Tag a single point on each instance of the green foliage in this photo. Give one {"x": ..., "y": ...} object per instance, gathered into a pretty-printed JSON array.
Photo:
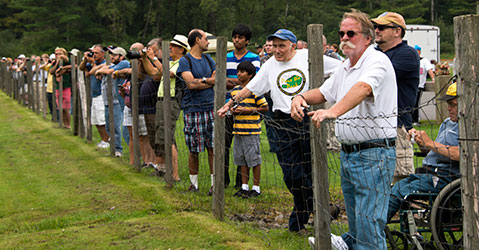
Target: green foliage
[{"x": 39, "y": 26}]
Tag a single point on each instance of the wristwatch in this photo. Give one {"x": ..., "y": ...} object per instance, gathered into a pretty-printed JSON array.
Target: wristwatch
[{"x": 203, "y": 80}]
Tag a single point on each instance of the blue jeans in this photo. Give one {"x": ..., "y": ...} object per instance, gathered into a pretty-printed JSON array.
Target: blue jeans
[
  {"x": 118, "y": 120},
  {"x": 413, "y": 183},
  {"x": 271, "y": 132},
  {"x": 366, "y": 177},
  {"x": 126, "y": 133},
  {"x": 294, "y": 157}
]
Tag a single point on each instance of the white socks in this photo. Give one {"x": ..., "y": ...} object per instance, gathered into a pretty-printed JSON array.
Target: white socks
[
  {"x": 245, "y": 187},
  {"x": 194, "y": 180},
  {"x": 256, "y": 188}
]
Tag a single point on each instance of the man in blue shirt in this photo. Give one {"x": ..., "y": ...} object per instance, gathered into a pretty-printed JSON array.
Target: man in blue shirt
[
  {"x": 441, "y": 165},
  {"x": 91, "y": 62},
  {"x": 118, "y": 62},
  {"x": 198, "y": 72},
  {"x": 241, "y": 36},
  {"x": 390, "y": 29}
]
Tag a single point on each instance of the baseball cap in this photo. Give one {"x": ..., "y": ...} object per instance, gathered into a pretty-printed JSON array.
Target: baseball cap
[
  {"x": 74, "y": 52},
  {"x": 21, "y": 56},
  {"x": 390, "y": 17},
  {"x": 417, "y": 47},
  {"x": 181, "y": 41},
  {"x": 52, "y": 56},
  {"x": 284, "y": 34},
  {"x": 118, "y": 51},
  {"x": 451, "y": 93}
]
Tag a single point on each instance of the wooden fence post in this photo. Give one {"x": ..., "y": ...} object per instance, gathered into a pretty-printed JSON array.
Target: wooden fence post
[
  {"x": 111, "y": 117},
  {"x": 74, "y": 95},
  {"x": 80, "y": 76},
  {"x": 167, "y": 115},
  {"x": 60, "y": 99},
  {"x": 88, "y": 109},
  {"x": 30, "y": 85},
  {"x": 467, "y": 67},
  {"x": 218, "y": 202},
  {"x": 319, "y": 157},
  {"x": 36, "y": 88},
  {"x": 44, "y": 93},
  {"x": 134, "y": 99},
  {"x": 441, "y": 84}
]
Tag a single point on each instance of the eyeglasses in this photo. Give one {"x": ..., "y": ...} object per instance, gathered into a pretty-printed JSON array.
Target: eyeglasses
[
  {"x": 350, "y": 33},
  {"x": 383, "y": 27}
]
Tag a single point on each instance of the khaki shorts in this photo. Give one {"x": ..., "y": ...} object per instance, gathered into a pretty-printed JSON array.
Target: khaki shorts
[{"x": 404, "y": 155}]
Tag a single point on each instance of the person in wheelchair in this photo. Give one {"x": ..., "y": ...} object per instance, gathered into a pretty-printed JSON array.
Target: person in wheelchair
[{"x": 440, "y": 166}]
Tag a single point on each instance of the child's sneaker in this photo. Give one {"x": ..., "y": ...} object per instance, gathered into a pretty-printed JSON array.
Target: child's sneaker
[
  {"x": 253, "y": 194},
  {"x": 242, "y": 193}
]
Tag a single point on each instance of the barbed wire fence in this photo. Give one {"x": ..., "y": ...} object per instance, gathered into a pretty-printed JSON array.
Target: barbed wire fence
[{"x": 271, "y": 210}]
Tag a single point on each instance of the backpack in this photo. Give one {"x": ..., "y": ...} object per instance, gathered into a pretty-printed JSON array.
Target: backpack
[{"x": 180, "y": 84}]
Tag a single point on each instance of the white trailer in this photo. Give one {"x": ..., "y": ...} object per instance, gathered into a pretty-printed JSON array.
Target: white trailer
[{"x": 427, "y": 37}]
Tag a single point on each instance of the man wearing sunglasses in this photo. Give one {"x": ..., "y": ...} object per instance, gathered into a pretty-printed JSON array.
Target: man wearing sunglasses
[
  {"x": 364, "y": 97},
  {"x": 390, "y": 29}
]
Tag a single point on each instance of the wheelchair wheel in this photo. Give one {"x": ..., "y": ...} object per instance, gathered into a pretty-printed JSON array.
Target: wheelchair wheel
[
  {"x": 396, "y": 240},
  {"x": 446, "y": 217}
]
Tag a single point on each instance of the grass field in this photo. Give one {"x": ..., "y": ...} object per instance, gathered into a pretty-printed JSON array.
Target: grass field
[{"x": 57, "y": 191}]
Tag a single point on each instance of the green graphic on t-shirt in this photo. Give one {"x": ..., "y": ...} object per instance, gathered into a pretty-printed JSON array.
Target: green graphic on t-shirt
[{"x": 292, "y": 82}]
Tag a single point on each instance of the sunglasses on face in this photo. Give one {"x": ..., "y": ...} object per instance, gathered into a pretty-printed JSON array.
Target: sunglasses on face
[
  {"x": 383, "y": 27},
  {"x": 350, "y": 33}
]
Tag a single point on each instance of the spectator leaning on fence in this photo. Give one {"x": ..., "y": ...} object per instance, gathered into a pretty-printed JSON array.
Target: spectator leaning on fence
[
  {"x": 390, "y": 29},
  {"x": 241, "y": 36},
  {"x": 287, "y": 75},
  {"x": 198, "y": 72},
  {"x": 50, "y": 60},
  {"x": 151, "y": 63},
  {"x": 247, "y": 128},
  {"x": 363, "y": 90},
  {"x": 178, "y": 48},
  {"x": 92, "y": 61},
  {"x": 440, "y": 166},
  {"x": 62, "y": 73},
  {"x": 118, "y": 63},
  {"x": 146, "y": 150}
]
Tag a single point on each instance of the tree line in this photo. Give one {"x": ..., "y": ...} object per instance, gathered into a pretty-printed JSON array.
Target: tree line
[{"x": 33, "y": 27}]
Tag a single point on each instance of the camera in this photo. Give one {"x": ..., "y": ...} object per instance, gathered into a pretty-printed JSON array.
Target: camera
[
  {"x": 135, "y": 54},
  {"x": 90, "y": 54}
]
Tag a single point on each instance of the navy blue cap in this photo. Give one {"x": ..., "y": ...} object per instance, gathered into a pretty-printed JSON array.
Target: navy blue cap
[{"x": 283, "y": 34}]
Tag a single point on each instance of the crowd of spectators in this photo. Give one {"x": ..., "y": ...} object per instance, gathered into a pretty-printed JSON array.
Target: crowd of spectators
[{"x": 273, "y": 85}]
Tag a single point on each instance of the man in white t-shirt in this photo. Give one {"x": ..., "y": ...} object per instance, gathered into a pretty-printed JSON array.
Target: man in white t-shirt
[
  {"x": 364, "y": 93},
  {"x": 286, "y": 76},
  {"x": 425, "y": 68}
]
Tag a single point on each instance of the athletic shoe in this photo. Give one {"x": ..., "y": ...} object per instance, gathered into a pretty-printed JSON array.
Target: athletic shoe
[
  {"x": 337, "y": 243},
  {"x": 118, "y": 154},
  {"x": 103, "y": 144},
  {"x": 192, "y": 188},
  {"x": 242, "y": 193},
  {"x": 253, "y": 193}
]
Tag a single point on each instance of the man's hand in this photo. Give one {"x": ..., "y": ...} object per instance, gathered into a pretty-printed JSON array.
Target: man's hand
[
  {"x": 320, "y": 115},
  {"x": 223, "y": 110},
  {"x": 297, "y": 106},
  {"x": 421, "y": 138}
]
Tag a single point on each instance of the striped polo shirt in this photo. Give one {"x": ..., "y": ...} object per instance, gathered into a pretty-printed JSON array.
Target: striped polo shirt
[
  {"x": 232, "y": 66},
  {"x": 249, "y": 124}
]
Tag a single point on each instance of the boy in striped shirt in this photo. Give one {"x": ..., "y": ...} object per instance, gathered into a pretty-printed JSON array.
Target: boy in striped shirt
[{"x": 247, "y": 129}]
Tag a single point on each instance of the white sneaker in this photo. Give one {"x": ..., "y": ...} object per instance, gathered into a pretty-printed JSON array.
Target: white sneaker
[
  {"x": 311, "y": 242},
  {"x": 103, "y": 144},
  {"x": 118, "y": 154},
  {"x": 337, "y": 243}
]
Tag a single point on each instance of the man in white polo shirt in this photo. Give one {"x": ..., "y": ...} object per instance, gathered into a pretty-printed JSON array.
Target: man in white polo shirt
[
  {"x": 286, "y": 76},
  {"x": 363, "y": 90}
]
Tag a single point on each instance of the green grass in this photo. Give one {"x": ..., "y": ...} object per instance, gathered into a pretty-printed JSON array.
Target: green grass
[{"x": 58, "y": 192}]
